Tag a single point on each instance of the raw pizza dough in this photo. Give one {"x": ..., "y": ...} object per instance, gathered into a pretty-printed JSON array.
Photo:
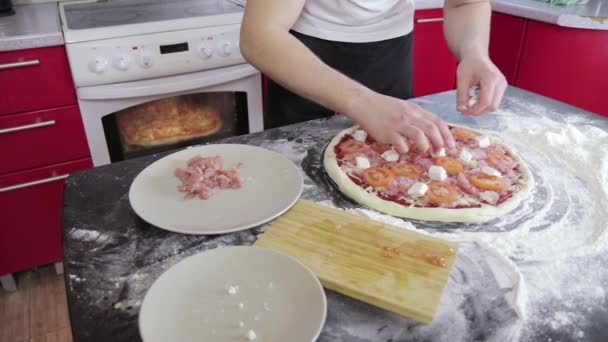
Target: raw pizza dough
[{"x": 369, "y": 198}]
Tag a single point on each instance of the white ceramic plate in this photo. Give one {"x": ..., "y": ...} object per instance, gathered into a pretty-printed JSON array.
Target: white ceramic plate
[
  {"x": 281, "y": 299},
  {"x": 272, "y": 185}
]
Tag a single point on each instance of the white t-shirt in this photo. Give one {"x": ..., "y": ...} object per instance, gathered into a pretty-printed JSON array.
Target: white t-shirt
[{"x": 356, "y": 21}]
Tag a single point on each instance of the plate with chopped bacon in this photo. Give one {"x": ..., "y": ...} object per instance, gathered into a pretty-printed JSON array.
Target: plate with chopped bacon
[
  {"x": 480, "y": 179},
  {"x": 214, "y": 189}
]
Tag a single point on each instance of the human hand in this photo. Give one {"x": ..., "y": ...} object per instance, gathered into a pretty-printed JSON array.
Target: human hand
[
  {"x": 479, "y": 71},
  {"x": 393, "y": 121}
]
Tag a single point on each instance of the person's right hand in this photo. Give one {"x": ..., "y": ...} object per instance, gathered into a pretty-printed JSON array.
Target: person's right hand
[{"x": 393, "y": 121}]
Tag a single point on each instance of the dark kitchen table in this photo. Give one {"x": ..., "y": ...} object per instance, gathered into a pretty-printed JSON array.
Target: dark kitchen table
[{"x": 112, "y": 257}]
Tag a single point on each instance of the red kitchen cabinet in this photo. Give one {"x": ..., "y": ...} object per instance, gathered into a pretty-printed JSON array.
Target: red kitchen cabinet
[
  {"x": 35, "y": 79},
  {"x": 31, "y": 202},
  {"x": 41, "y": 138},
  {"x": 567, "y": 64},
  {"x": 434, "y": 64},
  {"x": 506, "y": 42}
]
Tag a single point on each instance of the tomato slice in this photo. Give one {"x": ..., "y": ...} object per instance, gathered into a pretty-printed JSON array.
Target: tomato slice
[
  {"x": 442, "y": 193},
  {"x": 407, "y": 170},
  {"x": 501, "y": 161},
  {"x": 452, "y": 166},
  {"x": 380, "y": 147},
  {"x": 487, "y": 182},
  {"x": 378, "y": 177},
  {"x": 463, "y": 134},
  {"x": 353, "y": 146}
]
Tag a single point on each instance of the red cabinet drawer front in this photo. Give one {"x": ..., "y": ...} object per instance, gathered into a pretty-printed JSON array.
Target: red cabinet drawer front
[
  {"x": 567, "y": 64},
  {"x": 41, "y": 138},
  {"x": 30, "y": 233},
  {"x": 434, "y": 64},
  {"x": 43, "y": 85},
  {"x": 506, "y": 41}
]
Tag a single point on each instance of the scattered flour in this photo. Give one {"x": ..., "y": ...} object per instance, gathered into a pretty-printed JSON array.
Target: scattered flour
[
  {"x": 551, "y": 237},
  {"x": 84, "y": 235}
]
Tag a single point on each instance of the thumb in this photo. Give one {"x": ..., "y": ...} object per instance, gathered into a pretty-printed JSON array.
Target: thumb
[{"x": 462, "y": 93}]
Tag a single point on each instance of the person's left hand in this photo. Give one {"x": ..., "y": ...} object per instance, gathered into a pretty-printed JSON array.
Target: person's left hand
[{"x": 481, "y": 72}]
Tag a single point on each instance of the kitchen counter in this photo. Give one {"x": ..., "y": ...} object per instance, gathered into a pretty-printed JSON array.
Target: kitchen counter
[
  {"x": 112, "y": 257},
  {"x": 593, "y": 15},
  {"x": 32, "y": 26}
]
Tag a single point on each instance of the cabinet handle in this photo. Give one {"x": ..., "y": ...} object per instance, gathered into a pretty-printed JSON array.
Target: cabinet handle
[
  {"x": 15, "y": 65},
  {"x": 30, "y": 184},
  {"x": 429, "y": 20},
  {"x": 26, "y": 127}
]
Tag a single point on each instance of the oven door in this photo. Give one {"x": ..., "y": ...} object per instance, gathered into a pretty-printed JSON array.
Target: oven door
[{"x": 132, "y": 119}]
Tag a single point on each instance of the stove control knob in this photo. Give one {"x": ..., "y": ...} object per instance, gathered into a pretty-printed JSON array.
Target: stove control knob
[
  {"x": 205, "y": 50},
  {"x": 225, "y": 49},
  {"x": 145, "y": 60},
  {"x": 98, "y": 65},
  {"x": 122, "y": 63}
]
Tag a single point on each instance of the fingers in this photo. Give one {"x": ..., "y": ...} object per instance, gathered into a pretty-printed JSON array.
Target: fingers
[
  {"x": 462, "y": 94},
  {"x": 400, "y": 144},
  {"x": 448, "y": 139},
  {"x": 490, "y": 94},
  {"x": 485, "y": 96},
  {"x": 416, "y": 136}
]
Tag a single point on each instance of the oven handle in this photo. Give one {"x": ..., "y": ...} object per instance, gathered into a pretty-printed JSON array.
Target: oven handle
[{"x": 166, "y": 85}]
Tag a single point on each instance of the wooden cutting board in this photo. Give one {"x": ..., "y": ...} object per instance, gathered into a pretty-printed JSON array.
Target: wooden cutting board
[{"x": 398, "y": 270}]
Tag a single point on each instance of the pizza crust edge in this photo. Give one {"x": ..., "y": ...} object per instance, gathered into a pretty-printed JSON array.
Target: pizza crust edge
[{"x": 468, "y": 215}]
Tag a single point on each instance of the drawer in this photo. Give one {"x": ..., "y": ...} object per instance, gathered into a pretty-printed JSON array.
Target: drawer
[
  {"x": 41, "y": 138},
  {"x": 35, "y": 79},
  {"x": 30, "y": 218}
]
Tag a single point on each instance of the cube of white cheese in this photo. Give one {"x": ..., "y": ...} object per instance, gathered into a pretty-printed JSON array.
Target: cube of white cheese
[
  {"x": 466, "y": 156},
  {"x": 390, "y": 155},
  {"x": 472, "y": 101},
  {"x": 233, "y": 289},
  {"x": 483, "y": 141},
  {"x": 418, "y": 190},
  {"x": 360, "y": 135},
  {"x": 490, "y": 196},
  {"x": 440, "y": 153},
  {"x": 437, "y": 173},
  {"x": 362, "y": 163},
  {"x": 490, "y": 171},
  {"x": 251, "y": 335}
]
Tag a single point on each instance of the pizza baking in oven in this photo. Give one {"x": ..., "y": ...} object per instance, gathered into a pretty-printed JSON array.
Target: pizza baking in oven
[
  {"x": 479, "y": 180},
  {"x": 167, "y": 121}
]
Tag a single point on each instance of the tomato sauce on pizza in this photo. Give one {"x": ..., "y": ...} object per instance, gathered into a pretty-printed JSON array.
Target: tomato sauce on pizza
[{"x": 478, "y": 171}]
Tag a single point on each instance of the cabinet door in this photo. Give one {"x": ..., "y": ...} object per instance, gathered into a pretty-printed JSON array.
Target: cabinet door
[
  {"x": 31, "y": 202},
  {"x": 35, "y": 79},
  {"x": 506, "y": 42},
  {"x": 434, "y": 64},
  {"x": 41, "y": 138},
  {"x": 567, "y": 64}
]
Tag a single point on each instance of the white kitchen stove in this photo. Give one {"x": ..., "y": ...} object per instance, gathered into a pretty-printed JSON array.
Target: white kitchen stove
[
  {"x": 110, "y": 41},
  {"x": 158, "y": 57}
]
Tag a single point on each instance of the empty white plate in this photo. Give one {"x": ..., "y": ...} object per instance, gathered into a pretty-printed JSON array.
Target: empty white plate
[
  {"x": 226, "y": 293},
  {"x": 272, "y": 185}
]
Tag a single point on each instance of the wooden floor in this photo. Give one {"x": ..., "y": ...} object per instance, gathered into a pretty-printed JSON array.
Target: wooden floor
[{"x": 37, "y": 311}]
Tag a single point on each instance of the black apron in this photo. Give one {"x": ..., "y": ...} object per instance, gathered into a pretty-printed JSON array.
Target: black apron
[{"x": 383, "y": 66}]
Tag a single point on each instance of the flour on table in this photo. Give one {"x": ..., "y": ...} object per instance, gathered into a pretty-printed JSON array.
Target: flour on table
[
  {"x": 84, "y": 234},
  {"x": 545, "y": 241}
]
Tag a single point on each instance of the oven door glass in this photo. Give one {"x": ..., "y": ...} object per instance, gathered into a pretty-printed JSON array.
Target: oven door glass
[{"x": 175, "y": 122}]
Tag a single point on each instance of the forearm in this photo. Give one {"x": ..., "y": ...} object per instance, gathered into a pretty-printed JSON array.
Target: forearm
[
  {"x": 467, "y": 27},
  {"x": 287, "y": 61}
]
